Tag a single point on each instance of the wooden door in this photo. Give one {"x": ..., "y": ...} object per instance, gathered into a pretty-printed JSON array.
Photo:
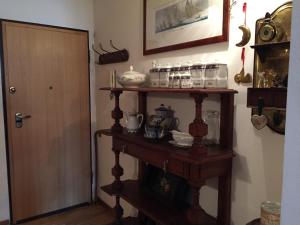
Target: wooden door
[{"x": 49, "y": 156}]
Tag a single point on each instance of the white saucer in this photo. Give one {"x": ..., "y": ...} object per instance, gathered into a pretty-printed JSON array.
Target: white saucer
[{"x": 180, "y": 145}]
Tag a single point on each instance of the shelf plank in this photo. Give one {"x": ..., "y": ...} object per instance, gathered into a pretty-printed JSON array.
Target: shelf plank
[
  {"x": 128, "y": 221},
  {"x": 266, "y": 50},
  {"x": 175, "y": 90},
  {"x": 284, "y": 44},
  {"x": 161, "y": 213},
  {"x": 106, "y": 132},
  {"x": 273, "y": 97}
]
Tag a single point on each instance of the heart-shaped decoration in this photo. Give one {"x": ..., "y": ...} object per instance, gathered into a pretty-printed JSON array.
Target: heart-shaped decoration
[{"x": 259, "y": 122}]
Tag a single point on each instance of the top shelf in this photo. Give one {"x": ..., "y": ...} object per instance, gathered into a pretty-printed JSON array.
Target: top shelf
[{"x": 175, "y": 90}]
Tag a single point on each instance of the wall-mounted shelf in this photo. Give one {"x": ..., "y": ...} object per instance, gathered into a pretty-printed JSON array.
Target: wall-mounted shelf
[
  {"x": 271, "y": 68},
  {"x": 273, "y": 97}
]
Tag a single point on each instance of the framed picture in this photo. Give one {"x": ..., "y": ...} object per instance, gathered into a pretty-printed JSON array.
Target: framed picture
[{"x": 178, "y": 24}]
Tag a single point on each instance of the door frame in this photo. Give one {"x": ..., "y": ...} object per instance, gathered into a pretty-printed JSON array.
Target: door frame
[{"x": 3, "y": 72}]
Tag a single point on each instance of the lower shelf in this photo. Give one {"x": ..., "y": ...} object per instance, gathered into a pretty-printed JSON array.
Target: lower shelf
[
  {"x": 155, "y": 210},
  {"x": 129, "y": 221}
]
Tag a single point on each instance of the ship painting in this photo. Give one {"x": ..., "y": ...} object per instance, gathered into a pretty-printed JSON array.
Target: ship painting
[{"x": 181, "y": 13}]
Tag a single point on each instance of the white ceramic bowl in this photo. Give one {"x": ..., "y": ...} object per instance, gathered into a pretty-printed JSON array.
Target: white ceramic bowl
[{"x": 132, "y": 79}]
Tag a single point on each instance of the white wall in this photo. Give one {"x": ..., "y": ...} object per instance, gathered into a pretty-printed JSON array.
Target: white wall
[
  {"x": 291, "y": 184},
  {"x": 257, "y": 172},
  {"x": 68, "y": 13}
]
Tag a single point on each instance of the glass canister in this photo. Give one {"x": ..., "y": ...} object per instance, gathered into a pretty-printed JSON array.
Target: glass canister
[
  {"x": 270, "y": 213},
  {"x": 212, "y": 119},
  {"x": 171, "y": 77},
  {"x": 222, "y": 75},
  {"x": 176, "y": 78},
  {"x": 154, "y": 77},
  {"x": 211, "y": 76},
  {"x": 216, "y": 75},
  {"x": 198, "y": 75},
  {"x": 185, "y": 77},
  {"x": 164, "y": 74}
]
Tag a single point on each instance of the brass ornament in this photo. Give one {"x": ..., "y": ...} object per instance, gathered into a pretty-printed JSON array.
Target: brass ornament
[
  {"x": 242, "y": 78},
  {"x": 246, "y": 36}
]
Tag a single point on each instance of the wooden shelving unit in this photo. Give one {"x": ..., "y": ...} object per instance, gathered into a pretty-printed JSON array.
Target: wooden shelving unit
[{"x": 195, "y": 164}]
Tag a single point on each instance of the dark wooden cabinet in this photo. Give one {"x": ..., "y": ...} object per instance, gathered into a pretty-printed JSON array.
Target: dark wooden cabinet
[{"x": 195, "y": 165}]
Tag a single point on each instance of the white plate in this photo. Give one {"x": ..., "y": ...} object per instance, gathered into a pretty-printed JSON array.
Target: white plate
[{"x": 180, "y": 145}]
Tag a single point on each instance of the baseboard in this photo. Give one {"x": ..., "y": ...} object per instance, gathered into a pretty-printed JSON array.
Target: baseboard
[{"x": 4, "y": 222}]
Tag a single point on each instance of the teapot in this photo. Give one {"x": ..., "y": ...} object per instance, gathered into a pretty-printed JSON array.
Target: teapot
[
  {"x": 165, "y": 117},
  {"x": 164, "y": 112},
  {"x": 154, "y": 132},
  {"x": 134, "y": 121}
]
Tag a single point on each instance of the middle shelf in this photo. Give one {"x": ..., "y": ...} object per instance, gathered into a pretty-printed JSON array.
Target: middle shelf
[
  {"x": 126, "y": 140},
  {"x": 164, "y": 214}
]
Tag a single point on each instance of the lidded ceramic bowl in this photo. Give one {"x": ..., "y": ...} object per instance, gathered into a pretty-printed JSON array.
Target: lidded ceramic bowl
[{"x": 132, "y": 79}]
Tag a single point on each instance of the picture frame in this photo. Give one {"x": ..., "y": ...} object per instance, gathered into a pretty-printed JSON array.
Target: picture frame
[{"x": 178, "y": 24}]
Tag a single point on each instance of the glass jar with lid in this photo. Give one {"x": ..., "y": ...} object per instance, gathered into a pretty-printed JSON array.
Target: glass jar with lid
[
  {"x": 176, "y": 77},
  {"x": 154, "y": 77},
  {"x": 270, "y": 213},
  {"x": 164, "y": 74},
  {"x": 198, "y": 75},
  {"x": 211, "y": 72},
  {"x": 212, "y": 119},
  {"x": 185, "y": 76},
  {"x": 222, "y": 76},
  {"x": 171, "y": 77}
]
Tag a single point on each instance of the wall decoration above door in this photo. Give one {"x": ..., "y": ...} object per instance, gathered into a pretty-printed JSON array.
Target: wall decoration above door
[{"x": 178, "y": 24}]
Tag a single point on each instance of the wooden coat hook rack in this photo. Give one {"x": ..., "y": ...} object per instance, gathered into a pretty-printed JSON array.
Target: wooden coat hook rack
[{"x": 119, "y": 55}]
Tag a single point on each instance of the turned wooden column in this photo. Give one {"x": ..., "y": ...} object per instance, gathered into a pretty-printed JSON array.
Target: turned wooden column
[
  {"x": 117, "y": 113},
  {"x": 198, "y": 129},
  {"x": 117, "y": 186},
  {"x": 195, "y": 214},
  {"x": 118, "y": 211},
  {"x": 117, "y": 172}
]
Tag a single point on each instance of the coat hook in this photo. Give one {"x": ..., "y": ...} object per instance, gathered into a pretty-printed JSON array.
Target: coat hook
[
  {"x": 95, "y": 50},
  {"x": 112, "y": 45},
  {"x": 100, "y": 45}
]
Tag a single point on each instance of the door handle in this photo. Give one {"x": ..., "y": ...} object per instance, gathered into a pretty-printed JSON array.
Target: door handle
[{"x": 19, "y": 117}]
